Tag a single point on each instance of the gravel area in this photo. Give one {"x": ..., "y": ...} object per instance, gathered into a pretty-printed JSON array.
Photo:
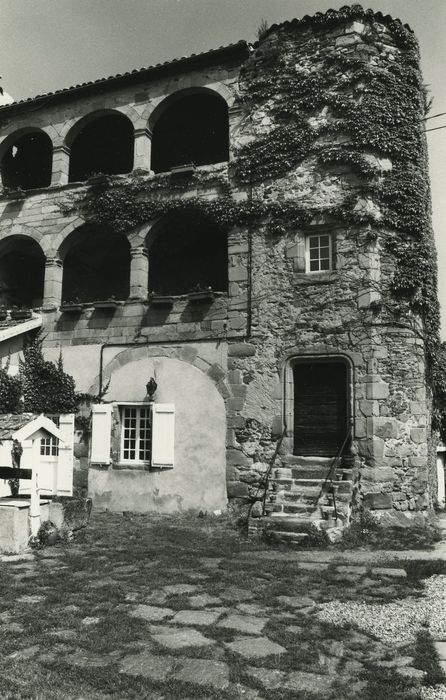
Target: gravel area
[
  {"x": 438, "y": 692},
  {"x": 397, "y": 622}
]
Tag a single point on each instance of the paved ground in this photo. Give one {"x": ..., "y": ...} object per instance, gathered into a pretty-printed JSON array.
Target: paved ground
[{"x": 163, "y": 609}]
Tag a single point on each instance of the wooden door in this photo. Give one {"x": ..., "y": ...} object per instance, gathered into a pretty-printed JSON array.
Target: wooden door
[{"x": 320, "y": 407}]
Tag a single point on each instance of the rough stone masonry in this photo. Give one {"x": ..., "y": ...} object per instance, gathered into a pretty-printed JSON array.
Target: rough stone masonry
[{"x": 317, "y": 196}]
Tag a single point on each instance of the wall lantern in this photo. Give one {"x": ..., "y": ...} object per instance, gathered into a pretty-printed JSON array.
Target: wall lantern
[{"x": 151, "y": 387}]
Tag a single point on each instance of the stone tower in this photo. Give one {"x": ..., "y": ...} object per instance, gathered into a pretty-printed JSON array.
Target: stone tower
[{"x": 250, "y": 227}]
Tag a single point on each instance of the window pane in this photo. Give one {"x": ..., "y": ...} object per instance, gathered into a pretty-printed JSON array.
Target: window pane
[
  {"x": 325, "y": 265},
  {"x": 324, "y": 240},
  {"x": 314, "y": 265}
]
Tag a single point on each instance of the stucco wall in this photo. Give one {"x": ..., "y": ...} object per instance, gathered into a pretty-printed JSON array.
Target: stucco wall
[{"x": 197, "y": 479}]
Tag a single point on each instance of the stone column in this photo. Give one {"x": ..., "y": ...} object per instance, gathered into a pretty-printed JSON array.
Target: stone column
[
  {"x": 142, "y": 149},
  {"x": 139, "y": 273},
  {"x": 52, "y": 294},
  {"x": 61, "y": 165}
]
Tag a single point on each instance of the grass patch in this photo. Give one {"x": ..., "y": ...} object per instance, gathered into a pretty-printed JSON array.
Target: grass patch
[
  {"x": 165, "y": 550},
  {"x": 366, "y": 532},
  {"x": 427, "y": 659}
]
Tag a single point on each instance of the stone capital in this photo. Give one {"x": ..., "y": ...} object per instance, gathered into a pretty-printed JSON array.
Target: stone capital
[
  {"x": 139, "y": 251},
  {"x": 53, "y": 262}
]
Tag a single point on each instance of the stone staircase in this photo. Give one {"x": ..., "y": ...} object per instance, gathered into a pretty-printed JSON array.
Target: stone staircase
[{"x": 298, "y": 498}]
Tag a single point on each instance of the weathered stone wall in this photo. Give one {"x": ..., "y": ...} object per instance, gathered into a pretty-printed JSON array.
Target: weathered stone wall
[{"x": 274, "y": 311}]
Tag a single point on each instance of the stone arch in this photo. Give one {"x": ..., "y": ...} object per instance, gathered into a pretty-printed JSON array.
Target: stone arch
[
  {"x": 197, "y": 132},
  {"x": 58, "y": 240},
  {"x": 22, "y": 271},
  {"x": 26, "y": 158},
  {"x": 187, "y": 252},
  {"x": 101, "y": 141},
  {"x": 184, "y": 353},
  {"x": 96, "y": 264},
  {"x": 197, "y": 474},
  {"x": 28, "y": 232}
]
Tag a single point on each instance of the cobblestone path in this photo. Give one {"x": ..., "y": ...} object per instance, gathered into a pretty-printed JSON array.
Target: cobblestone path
[{"x": 156, "y": 608}]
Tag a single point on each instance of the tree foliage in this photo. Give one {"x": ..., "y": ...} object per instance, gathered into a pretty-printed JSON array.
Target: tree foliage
[
  {"x": 10, "y": 391},
  {"x": 47, "y": 388}
]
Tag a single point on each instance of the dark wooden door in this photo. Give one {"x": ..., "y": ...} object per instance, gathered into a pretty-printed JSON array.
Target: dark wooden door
[{"x": 320, "y": 408}]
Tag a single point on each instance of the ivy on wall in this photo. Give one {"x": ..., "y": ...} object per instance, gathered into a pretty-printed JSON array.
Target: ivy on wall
[
  {"x": 10, "y": 391},
  {"x": 47, "y": 388},
  {"x": 311, "y": 93}
]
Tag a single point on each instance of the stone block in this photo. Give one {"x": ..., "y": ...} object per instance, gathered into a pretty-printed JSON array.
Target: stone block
[
  {"x": 378, "y": 501},
  {"x": 236, "y": 403},
  {"x": 215, "y": 372},
  {"x": 377, "y": 390},
  {"x": 232, "y": 473},
  {"x": 378, "y": 474},
  {"x": 237, "y": 489},
  {"x": 241, "y": 350},
  {"x": 14, "y": 528},
  {"x": 386, "y": 427},
  {"x": 75, "y": 512},
  {"x": 237, "y": 274},
  {"x": 418, "y": 435},
  {"x": 237, "y": 458},
  {"x": 237, "y": 322},
  {"x": 368, "y": 408},
  {"x": 235, "y": 376}
]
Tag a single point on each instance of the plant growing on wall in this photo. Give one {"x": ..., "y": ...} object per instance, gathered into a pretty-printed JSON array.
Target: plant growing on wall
[
  {"x": 351, "y": 103},
  {"x": 10, "y": 391},
  {"x": 47, "y": 388}
]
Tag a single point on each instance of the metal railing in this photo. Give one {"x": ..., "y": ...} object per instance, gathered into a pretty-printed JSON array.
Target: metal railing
[{"x": 331, "y": 470}]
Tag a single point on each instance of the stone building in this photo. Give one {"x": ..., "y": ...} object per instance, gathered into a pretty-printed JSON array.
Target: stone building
[{"x": 250, "y": 228}]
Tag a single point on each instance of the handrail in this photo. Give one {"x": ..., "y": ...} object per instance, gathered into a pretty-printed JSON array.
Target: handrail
[
  {"x": 270, "y": 467},
  {"x": 331, "y": 469}
]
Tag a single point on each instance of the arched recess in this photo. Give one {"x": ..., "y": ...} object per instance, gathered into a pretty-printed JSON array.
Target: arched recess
[
  {"x": 26, "y": 159},
  {"x": 96, "y": 264},
  {"x": 22, "y": 272},
  {"x": 190, "y": 126},
  {"x": 101, "y": 142},
  {"x": 187, "y": 251},
  {"x": 197, "y": 478}
]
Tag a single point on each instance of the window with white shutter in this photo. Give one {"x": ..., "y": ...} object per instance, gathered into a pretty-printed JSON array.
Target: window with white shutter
[
  {"x": 147, "y": 435},
  {"x": 163, "y": 435},
  {"x": 101, "y": 421}
]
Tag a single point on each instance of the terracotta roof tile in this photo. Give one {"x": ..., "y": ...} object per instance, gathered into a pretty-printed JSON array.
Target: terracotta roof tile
[{"x": 240, "y": 45}]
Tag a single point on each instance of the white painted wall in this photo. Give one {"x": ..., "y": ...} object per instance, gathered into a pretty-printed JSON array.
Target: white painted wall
[{"x": 198, "y": 478}]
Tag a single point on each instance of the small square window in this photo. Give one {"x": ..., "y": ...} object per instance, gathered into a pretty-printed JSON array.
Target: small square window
[{"x": 319, "y": 253}]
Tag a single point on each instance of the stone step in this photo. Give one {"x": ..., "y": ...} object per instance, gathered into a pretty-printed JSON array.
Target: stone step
[
  {"x": 288, "y": 523},
  {"x": 304, "y": 485},
  {"x": 297, "y": 461},
  {"x": 285, "y": 537},
  {"x": 290, "y": 508}
]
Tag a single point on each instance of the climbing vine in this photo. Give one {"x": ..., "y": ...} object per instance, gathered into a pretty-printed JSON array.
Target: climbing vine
[
  {"x": 332, "y": 101},
  {"x": 47, "y": 388}
]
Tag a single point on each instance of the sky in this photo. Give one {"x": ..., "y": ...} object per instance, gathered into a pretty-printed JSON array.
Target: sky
[{"x": 50, "y": 44}]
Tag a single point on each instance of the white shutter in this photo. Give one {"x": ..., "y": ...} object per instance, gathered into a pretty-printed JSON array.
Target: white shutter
[
  {"x": 101, "y": 433},
  {"x": 65, "y": 462},
  {"x": 163, "y": 435}
]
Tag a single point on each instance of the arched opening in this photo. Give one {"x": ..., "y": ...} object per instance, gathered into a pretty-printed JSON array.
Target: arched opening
[
  {"x": 96, "y": 265},
  {"x": 321, "y": 406},
  {"x": 101, "y": 145},
  {"x": 188, "y": 252},
  {"x": 22, "y": 272},
  {"x": 27, "y": 161},
  {"x": 192, "y": 129}
]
